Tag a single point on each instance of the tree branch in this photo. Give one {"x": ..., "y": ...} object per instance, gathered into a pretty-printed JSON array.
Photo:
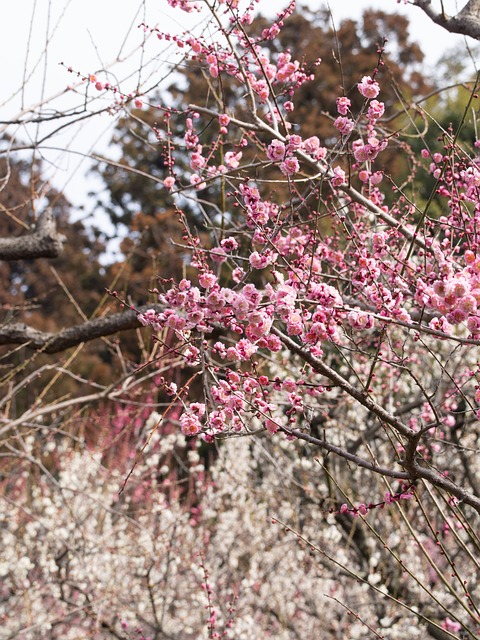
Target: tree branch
[
  {"x": 20, "y": 333},
  {"x": 465, "y": 22},
  {"x": 343, "y": 453},
  {"x": 410, "y": 463},
  {"x": 43, "y": 242}
]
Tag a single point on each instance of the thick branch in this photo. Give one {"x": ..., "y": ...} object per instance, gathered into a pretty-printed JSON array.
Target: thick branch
[
  {"x": 465, "y": 22},
  {"x": 43, "y": 242},
  {"x": 20, "y": 333}
]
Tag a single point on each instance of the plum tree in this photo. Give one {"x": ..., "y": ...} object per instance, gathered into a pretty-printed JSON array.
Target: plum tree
[{"x": 322, "y": 339}]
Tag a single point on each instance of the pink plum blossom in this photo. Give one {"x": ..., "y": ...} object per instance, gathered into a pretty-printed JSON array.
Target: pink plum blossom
[
  {"x": 276, "y": 151},
  {"x": 368, "y": 88},
  {"x": 289, "y": 166},
  {"x": 343, "y": 105}
]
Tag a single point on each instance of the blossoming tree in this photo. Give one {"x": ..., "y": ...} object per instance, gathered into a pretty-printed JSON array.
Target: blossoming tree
[
  {"x": 346, "y": 312},
  {"x": 357, "y": 283},
  {"x": 330, "y": 326}
]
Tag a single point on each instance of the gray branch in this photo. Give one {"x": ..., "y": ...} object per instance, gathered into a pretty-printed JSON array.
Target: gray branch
[
  {"x": 465, "y": 22},
  {"x": 343, "y": 453},
  {"x": 22, "y": 334},
  {"x": 43, "y": 242}
]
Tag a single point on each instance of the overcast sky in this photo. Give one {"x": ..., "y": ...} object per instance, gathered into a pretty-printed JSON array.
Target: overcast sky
[{"x": 92, "y": 34}]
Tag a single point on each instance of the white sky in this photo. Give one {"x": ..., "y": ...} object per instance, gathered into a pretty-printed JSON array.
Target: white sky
[{"x": 91, "y": 34}]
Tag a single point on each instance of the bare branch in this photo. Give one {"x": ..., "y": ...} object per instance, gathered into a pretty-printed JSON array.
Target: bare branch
[
  {"x": 43, "y": 242},
  {"x": 343, "y": 453},
  {"x": 20, "y": 333}
]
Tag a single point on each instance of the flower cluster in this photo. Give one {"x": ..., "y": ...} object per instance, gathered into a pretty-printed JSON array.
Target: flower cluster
[{"x": 455, "y": 295}]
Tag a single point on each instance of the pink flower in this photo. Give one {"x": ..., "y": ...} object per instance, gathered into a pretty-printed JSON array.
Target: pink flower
[
  {"x": 197, "y": 161},
  {"x": 287, "y": 71},
  {"x": 339, "y": 178},
  {"x": 169, "y": 182},
  {"x": 368, "y": 88},
  {"x": 468, "y": 304},
  {"x": 361, "y": 153},
  {"x": 218, "y": 254},
  {"x": 294, "y": 324},
  {"x": 229, "y": 244},
  {"x": 271, "y": 33},
  {"x": 207, "y": 280},
  {"x": 224, "y": 120},
  {"x": 191, "y": 355},
  {"x": 276, "y": 151},
  {"x": 311, "y": 145},
  {"x": 362, "y": 509},
  {"x": 271, "y": 426},
  {"x": 196, "y": 46},
  {"x": 289, "y": 166},
  {"x": 294, "y": 143},
  {"x": 360, "y": 319},
  {"x": 190, "y": 424},
  {"x": 273, "y": 343},
  {"x": 259, "y": 325},
  {"x": 215, "y": 300},
  {"x": 343, "y": 104},
  {"x": 376, "y": 110},
  {"x": 184, "y": 285},
  {"x": 197, "y": 181},
  {"x": 377, "y": 177},
  {"x": 261, "y": 89},
  {"x": 260, "y": 261},
  {"x": 370, "y": 150},
  {"x": 451, "y": 625},
  {"x": 185, "y": 5},
  {"x": 198, "y": 409},
  {"x": 232, "y": 159},
  {"x": 148, "y": 318},
  {"x": 238, "y": 274},
  {"x": 344, "y": 125},
  {"x": 289, "y": 385}
]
